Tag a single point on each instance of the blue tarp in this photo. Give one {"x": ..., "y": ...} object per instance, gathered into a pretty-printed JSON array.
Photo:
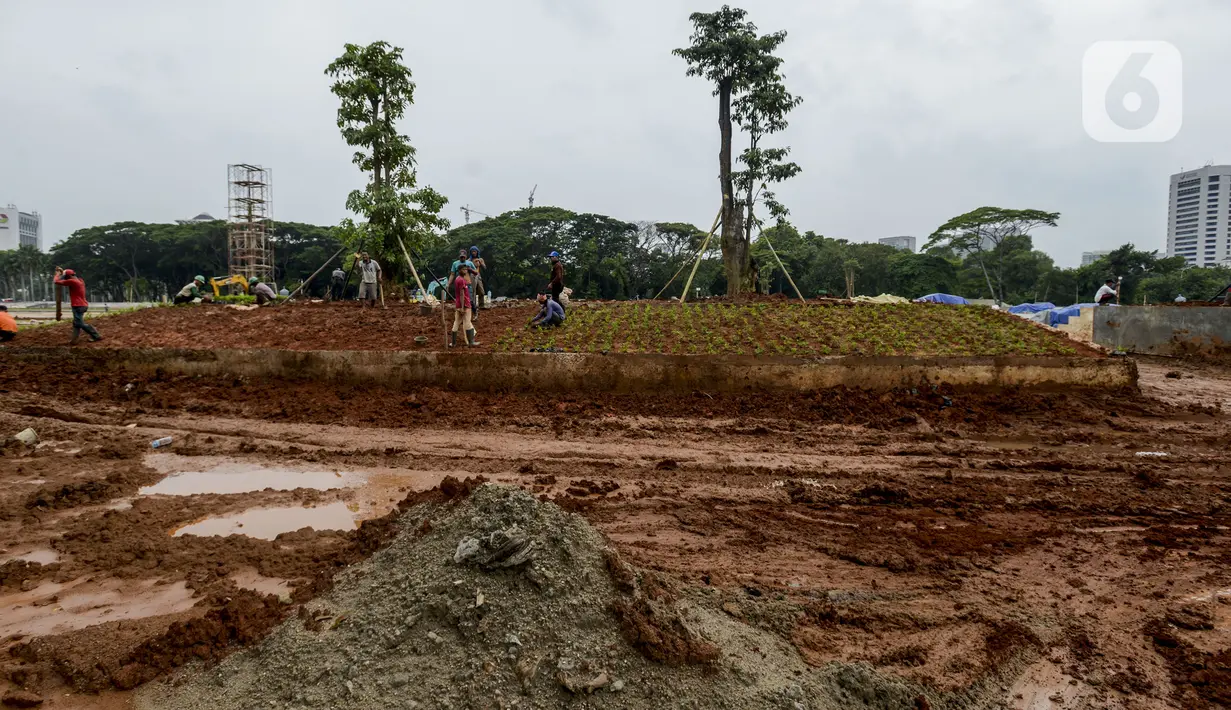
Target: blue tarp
[
  {"x": 943, "y": 298},
  {"x": 1031, "y": 308},
  {"x": 1060, "y": 316}
]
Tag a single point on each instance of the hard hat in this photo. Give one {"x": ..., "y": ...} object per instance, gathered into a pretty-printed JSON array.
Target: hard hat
[
  {"x": 199, "y": 278},
  {"x": 554, "y": 254},
  {"x": 70, "y": 272},
  {"x": 253, "y": 281}
]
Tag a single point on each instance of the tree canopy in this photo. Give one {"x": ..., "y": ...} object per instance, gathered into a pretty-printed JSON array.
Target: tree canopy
[
  {"x": 375, "y": 89},
  {"x": 980, "y": 235},
  {"x": 727, "y": 51},
  {"x": 605, "y": 257}
]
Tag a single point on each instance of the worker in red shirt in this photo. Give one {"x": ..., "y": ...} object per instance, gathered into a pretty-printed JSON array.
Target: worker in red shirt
[
  {"x": 76, "y": 294},
  {"x": 8, "y": 325}
]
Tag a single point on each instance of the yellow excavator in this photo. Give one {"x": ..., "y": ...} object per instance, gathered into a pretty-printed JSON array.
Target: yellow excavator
[{"x": 219, "y": 282}]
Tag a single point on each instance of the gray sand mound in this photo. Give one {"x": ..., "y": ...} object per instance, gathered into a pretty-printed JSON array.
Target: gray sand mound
[{"x": 501, "y": 601}]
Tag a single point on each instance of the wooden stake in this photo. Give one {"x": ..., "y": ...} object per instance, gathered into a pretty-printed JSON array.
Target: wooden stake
[
  {"x": 700, "y": 254},
  {"x": 59, "y": 302},
  {"x": 783, "y": 267},
  {"x": 304, "y": 285},
  {"x": 685, "y": 264},
  {"x": 412, "y": 266}
]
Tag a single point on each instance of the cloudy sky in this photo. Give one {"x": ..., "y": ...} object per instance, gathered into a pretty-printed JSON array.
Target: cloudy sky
[{"x": 914, "y": 110}]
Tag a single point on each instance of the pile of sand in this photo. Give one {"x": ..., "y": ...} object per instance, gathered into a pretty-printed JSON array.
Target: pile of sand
[{"x": 501, "y": 601}]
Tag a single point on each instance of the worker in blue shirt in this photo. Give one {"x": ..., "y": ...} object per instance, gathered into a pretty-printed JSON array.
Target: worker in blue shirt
[{"x": 551, "y": 315}]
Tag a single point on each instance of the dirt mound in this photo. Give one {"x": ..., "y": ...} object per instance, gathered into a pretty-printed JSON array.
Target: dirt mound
[
  {"x": 500, "y": 600},
  {"x": 298, "y": 326}
]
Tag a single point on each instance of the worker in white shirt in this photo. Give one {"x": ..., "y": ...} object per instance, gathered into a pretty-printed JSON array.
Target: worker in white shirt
[{"x": 1106, "y": 294}]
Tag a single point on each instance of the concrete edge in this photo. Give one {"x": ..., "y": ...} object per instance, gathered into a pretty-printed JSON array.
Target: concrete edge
[{"x": 618, "y": 373}]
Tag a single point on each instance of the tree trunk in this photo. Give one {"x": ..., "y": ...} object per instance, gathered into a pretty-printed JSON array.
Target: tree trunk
[
  {"x": 734, "y": 248},
  {"x": 988, "y": 278}
]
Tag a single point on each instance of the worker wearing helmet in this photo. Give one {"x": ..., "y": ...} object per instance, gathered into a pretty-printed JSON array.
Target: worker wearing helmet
[
  {"x": 556, "y": 285},
  {"x": 190, "y": 293},
  {"x": 477, "y": 288},
  {"x": 76, "y": 295},
  {"x": 264, "y": 294}
]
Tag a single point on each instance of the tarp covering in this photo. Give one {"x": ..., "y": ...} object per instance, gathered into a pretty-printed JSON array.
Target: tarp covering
[
  {"x": 1060, "y": 316},
  {"x": 883, "y": 298},
  {"x": 1031, "y": 308},
  {"x": 943, "y": 298}
]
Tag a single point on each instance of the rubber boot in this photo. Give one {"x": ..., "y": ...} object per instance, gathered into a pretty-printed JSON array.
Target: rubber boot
[
  {"x": 470, "y": 339},
  {"x": 452, "y": 338},
  {"x": 75, "y": 338}
]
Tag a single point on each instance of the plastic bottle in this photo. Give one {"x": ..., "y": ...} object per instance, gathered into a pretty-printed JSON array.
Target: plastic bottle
[{"x": 159, "y": 443}]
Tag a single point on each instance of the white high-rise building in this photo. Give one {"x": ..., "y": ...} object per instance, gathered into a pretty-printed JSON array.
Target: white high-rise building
[
  {"x": 903, "y": 243},
  {"x": 1198, "y": 215},
  {"x": 1089, "y": 257},
  {"x": 18, "y": 229}
]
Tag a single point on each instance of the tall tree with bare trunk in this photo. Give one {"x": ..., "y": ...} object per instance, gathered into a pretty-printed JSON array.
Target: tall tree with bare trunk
[{"x": 727, "y": 51}]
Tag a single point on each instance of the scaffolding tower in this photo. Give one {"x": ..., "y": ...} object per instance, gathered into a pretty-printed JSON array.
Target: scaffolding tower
[{"x": 249, "y": 224}]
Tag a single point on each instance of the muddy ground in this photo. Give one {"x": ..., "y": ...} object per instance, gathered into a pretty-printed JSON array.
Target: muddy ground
[{"x": 1068, "y": 548}]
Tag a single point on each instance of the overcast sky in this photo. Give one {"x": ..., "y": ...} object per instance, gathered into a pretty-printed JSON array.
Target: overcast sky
[{"x": 914, "y": 110}]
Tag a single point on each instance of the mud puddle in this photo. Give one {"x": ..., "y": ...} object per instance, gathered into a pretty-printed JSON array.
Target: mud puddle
[
  {"x": 188, "y": 476},
  {"x": 42, "y": 555},
  {"x": 52, "y": 608},
  {"x": 1044, "y": 686},
  {"x": 269, "y": 523}
]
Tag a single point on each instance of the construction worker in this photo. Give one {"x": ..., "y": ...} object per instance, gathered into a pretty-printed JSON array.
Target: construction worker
[
  {"x": 76, "y": 298},
  {"x": 463, "y": 259},
  {"x": 556, "y": 285},
  {"x": 550, "y": 315},
  {"x": 337, "y": 281},
  {"x": 369, "y": 279},
  {"x": 1106, "y": 293},
  {"x": 478, "y": 290},
  {"x": 461, "y": 307},
  {"x": 264, "y": 294},
  {"x": 190, "y": 293},
  {"x": 8, "y": 325}
]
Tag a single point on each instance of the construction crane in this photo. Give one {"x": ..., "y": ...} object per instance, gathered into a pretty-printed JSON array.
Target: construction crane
[
  {"x": 466, "y": 211},
  {"x": 536, "y": 189}
]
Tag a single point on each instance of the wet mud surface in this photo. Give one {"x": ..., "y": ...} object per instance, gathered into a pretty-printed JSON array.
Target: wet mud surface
[{"x": 1072, "y": 548}]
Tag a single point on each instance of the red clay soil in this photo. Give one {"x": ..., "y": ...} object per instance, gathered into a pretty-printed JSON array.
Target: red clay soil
[
  {"x": 301, "y": 326},
  {"x": 332, "y": 326},
  {"x": 952, "y": 538}
]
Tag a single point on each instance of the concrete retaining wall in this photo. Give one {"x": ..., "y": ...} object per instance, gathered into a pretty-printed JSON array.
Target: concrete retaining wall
[
  {"x": 1164, "y": 330},
  {"x": 562, "y": 372}
]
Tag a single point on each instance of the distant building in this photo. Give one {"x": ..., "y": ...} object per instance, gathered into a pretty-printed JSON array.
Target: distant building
[
  {"x": 203, "y": 217},
  {"x": 1089, "y": 257},
  {"x": 1198, "y": 213},
  {"x": 19, "y": 229},
  {"x": 903, "y": 243}
]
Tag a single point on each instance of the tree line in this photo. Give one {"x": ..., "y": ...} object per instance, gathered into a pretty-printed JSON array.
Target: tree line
[{"x": 605, "y": 258}]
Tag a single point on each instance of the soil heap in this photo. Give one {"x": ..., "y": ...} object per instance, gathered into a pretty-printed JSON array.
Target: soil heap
[{"x": 499, "y": 600}]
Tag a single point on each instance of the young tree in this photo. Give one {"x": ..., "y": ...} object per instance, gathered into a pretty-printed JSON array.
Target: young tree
[
  {"x": 761, "y": 111},
  {"x": 727, "y": 51},
  {"x": 980, "y": 234},
  {"x": 375, "y": 89}
]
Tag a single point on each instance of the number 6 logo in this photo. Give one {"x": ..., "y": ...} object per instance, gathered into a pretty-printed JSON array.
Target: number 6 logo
[{"x": 1132, "y": 92}]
